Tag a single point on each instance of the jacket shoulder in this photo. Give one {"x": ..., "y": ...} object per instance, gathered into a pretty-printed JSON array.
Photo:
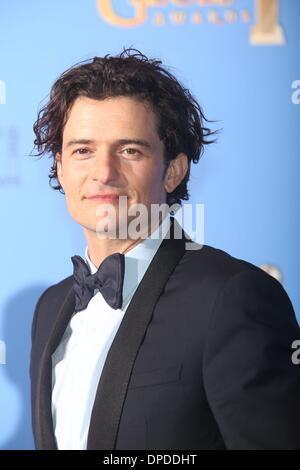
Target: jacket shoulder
[
  {"x": 211, "y": 262},
  {"x": 55, "y": 293},
  {"x": 50, "y": 301},
  {"x": 214, "y": 270}
]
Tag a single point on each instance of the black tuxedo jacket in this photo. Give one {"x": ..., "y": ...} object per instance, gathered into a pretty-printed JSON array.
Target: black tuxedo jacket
[{"x": 201, "y": 360}]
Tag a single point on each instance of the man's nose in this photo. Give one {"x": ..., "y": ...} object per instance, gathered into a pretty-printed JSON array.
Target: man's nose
[{"x": 105, "y": 168}]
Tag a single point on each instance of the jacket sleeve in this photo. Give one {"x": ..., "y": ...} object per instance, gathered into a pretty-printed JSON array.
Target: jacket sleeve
[{"x": 251, "y": 383}]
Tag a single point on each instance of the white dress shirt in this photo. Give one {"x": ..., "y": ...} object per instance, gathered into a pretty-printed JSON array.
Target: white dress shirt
[{"x": 79, "y": 359}]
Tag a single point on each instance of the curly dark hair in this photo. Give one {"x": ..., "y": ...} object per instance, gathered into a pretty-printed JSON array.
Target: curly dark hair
[{"x": 180, "y": 120}]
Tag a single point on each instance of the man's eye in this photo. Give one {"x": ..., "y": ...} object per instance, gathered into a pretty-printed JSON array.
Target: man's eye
[
  {"x": 131, "y": 151},
  {"x": 81, "y": 151}
]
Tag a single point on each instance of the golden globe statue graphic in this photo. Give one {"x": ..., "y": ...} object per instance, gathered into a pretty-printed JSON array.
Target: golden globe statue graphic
[{"x": 265, "y": 31}]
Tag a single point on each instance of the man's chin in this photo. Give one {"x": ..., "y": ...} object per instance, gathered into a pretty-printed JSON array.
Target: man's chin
[
  {"x": 124, "y": 229},
  {"x": 106, "y": 230}
]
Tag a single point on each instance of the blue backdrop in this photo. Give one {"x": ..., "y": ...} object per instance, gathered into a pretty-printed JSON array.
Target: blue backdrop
[{"x": 241, "y": 62}]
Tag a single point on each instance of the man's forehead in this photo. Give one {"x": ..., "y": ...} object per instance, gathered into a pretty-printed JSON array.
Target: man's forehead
[
  {"x": 120, "y": 118},
  {"x": 114, "y": 105}
]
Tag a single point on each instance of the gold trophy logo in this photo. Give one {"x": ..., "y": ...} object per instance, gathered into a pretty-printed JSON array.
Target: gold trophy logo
[
  {"x": 267, "y": 30},
  {"x": 107, "y": 11}
]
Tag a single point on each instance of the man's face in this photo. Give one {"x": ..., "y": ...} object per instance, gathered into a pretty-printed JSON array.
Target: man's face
[{"x": 110, "y": 146}]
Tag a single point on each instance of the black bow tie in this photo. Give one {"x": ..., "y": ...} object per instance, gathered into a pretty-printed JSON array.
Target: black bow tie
[{"x": 108, "y": 279}]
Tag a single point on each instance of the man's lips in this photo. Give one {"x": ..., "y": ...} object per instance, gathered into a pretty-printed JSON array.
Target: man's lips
[{"x": 103, "y": 197}]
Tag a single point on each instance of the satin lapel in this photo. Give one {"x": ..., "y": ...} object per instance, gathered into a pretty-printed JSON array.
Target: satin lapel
[
  {"x": 43, "y": 414},
  {"x": 112, "y": 387}
]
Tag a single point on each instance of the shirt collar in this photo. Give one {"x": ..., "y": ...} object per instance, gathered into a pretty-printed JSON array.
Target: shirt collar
[{"x": 137, "y": 259}]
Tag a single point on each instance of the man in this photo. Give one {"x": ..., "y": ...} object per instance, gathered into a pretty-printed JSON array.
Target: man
[{"x": 150, "y": 344}]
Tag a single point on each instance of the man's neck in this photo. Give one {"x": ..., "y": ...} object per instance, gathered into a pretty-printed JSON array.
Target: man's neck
[{"x": 99, "y": 248}]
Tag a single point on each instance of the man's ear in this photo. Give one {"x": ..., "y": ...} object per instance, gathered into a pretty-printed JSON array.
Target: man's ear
[
  {"x": 176, "y": 172},
  {"x": 59, "y": 170}
]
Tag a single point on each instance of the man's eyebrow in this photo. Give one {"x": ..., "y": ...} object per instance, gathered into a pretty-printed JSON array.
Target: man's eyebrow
[
  {"x": 142, "y": 142},
  {"x": 79, "y": 142}
]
